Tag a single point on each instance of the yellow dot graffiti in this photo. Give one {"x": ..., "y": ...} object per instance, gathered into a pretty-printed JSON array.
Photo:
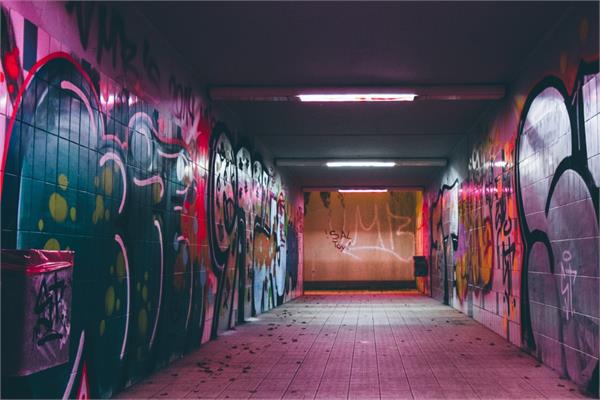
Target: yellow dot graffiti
[
  {"x": 107, "y": 181},
  {"x": 142, "y": 323},
  {"x": 63, "y": 181},
  {"x": 156, "y": 196},
  {"x": 109, "y": 301},
  {"x": 120, "y": 266},
  {"x": 41, "y": 224},
  {"x": 52, "y": 244},
  {"x": 99, "y": 211},
  {"x": 73, "y": 214},
  {"x": 58, "y": 207}
]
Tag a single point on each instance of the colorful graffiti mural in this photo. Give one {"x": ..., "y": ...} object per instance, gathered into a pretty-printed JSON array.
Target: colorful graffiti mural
[
  {"x": 249, "y": 224},
  {"x": 162, "y": 215},
  {"x": 525, "y": 261}
]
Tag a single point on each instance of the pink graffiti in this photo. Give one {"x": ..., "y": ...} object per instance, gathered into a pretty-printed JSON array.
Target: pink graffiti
[
  {"x": 70, "y": 86},
  {"x": 126, "y": 259},
  {"x": 160, "y": 241},
  {"x": 75, "y": 366},
  {"x": 115, "y": 157},
  {"x": 150, "y": 181}
]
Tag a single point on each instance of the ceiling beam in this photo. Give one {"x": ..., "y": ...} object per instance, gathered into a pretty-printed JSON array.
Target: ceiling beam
[{"x": 423, "y": 92}]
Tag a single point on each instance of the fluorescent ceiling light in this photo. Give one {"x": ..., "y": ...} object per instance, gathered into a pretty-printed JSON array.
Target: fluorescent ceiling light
[
  {"x": 358, "y": 93},
  {"x": 362, "y": 190},
  {"x": 351, "y": 164},
  {"x": 361, "y": 162},
  {"x": 357, "y": 97}
]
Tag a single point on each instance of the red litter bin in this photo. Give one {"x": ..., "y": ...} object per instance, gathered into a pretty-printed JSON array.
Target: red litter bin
[{"x": 36, "y": 310}]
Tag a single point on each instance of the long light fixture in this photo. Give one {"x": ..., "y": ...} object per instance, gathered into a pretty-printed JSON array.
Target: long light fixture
[
  {"x": 360, "y": 164},
  {"x": 356, "y": 97},
  {"x": 362, "y": 190},
  {"x": 357, "y": 93}
]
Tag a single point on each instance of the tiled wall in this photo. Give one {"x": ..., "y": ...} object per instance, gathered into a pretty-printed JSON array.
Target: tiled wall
[
  {"x": 525, "y": 258},
  {"x": 179, "y": 231}
]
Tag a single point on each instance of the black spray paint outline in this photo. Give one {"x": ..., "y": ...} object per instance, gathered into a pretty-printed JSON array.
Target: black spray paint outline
[{"x": 577, "y": 161}]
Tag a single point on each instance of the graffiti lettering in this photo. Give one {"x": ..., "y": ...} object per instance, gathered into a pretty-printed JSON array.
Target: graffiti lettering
[
  {"x": 341, "y": 241},
  {"x": 185, "y": 101},
  {"x": 567, "y": 282},
  {"x": 444, "y": 237},
  {"x": 52, "y": 321},
  {"x": 112, "y": 38}
]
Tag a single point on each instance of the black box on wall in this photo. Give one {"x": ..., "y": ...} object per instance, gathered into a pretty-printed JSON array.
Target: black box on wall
[{"x": 420, "y": 263}]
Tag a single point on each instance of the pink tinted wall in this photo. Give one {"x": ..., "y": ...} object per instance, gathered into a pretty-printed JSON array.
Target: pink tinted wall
[{"x": 514, "y": 231}]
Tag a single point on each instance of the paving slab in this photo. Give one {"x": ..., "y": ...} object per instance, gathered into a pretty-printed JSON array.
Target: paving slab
[{"x": 357, "y": 345}]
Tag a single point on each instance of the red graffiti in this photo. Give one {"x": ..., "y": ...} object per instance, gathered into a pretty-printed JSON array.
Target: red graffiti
[{"x": 11, "y": 64}]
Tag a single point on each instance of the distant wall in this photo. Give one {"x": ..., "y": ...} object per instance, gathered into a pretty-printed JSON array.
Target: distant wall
[
  {"x": 180, "y": 228},
  {"x": 513, "y": 238},
  {"x": 360, "y": 236}
]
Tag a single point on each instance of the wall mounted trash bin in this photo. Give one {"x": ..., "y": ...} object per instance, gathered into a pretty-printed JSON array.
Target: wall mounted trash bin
[
  {"x": 36, "y": 310},
  {"x": 420, "y": 265}
]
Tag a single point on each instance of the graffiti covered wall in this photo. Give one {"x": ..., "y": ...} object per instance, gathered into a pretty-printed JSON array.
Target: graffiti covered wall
[
  {"x": 514, "y": 241},
  {"x": 178, "y": 231},
  {"x": 360, "y": 236},
  {"x": 254, "y": 231}
]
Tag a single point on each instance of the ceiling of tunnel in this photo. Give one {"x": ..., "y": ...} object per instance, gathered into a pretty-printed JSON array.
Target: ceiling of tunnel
[{"x": 355, "y": 44}]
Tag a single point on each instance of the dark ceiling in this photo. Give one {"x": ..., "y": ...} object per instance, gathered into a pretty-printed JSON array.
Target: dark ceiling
[{"x": 354, "y": 44}]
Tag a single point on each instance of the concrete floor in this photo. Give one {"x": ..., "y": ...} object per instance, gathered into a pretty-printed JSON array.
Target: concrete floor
[{"x": 358, "y": 346}]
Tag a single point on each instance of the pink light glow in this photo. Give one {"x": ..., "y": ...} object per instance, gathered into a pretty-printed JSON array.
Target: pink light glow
[
  {"x": 357, "y": 97},
  {"x": 362, "y": 190}
]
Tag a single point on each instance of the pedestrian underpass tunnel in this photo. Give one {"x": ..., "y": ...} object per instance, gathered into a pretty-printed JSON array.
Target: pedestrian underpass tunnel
[{"x": 300, "y": 200}]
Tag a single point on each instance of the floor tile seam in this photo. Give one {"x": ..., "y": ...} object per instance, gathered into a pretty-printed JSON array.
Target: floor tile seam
[
  {"x": 263, "y": 350},
  {"x": 399, "y": 354},
  {"x": 353, "y": 349},
  {"x": 486, "y": 330},
  {"x": 427, "y": 361},
  {"x": 329, "y": 354},
  {"x": 332, "y": 312},
  {"x": 480, "y": 327},
  {"x": 412, "y": 334},
  {"x": 376, "y": 356}
]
